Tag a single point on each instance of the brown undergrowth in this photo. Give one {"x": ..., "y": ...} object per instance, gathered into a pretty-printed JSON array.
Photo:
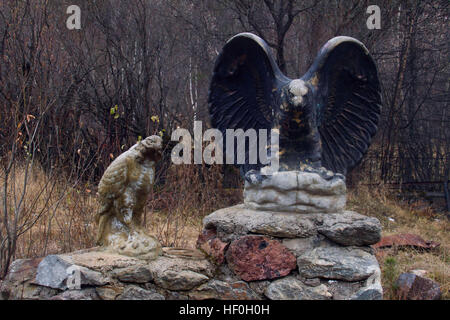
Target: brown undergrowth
[{"x": 398, "y": 217}]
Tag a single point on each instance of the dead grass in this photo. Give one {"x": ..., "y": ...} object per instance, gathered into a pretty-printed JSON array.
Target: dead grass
[
  {"x": 397, "y": 217},
  {"x": 175, "y": 230},
  {"x": 56, "y": 215}
]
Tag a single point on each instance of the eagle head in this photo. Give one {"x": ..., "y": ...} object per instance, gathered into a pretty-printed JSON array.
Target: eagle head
[
  {"x": 297, "y": 92},
  {"x": 150, "y": 148}
]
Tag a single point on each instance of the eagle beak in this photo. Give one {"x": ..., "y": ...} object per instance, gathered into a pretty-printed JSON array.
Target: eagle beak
[
  {"x": 298, "y": 91},
  {"x": 298, "y": 101}
]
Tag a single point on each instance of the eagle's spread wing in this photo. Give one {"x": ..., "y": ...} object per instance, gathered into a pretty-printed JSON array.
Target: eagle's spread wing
[
  {"x": 348, "y": 101},
  {"x": 244, "y": 87}
]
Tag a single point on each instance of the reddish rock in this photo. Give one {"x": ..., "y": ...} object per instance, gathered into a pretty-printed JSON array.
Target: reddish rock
[
  {"x": 255, "y": 258},
  {"x": 23, "y": 269},
  {"x": 211, "y": 245},
  {"x": 406, "y": 240},
  {"x": 414, "y": 287},
  {"x": 205, "y": 236}
]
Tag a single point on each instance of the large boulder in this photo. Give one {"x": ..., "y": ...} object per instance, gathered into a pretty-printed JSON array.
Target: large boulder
[
  {"x": 414, "y": 287},
  {"x": 351, "y": 229},
  {"x": 290, "y": 288},
  {"x": 234, "y": 222},
  {"x": 56, "y": 272},
  {"x": 346, "y": 228},
  {"x": 175, "y": 271},
  {"x": 18, "y": 284},
  {"x": 341, "y": 263}
]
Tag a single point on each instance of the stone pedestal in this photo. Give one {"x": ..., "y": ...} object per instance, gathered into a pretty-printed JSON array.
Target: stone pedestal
[
  {"x": 297, "y": 192},
  {"x": 292, "y": 239}
]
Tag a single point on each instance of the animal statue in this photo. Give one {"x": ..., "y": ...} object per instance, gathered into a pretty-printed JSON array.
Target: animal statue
[
  {"x": 123, "y": 191},
  {"x": 326, "y": 119}
]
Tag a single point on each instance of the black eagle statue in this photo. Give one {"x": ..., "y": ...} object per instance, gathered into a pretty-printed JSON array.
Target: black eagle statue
[{"x": 326, "y": 119}]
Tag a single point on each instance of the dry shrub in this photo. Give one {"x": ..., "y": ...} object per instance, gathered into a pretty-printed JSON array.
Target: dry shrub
[
  {"x": 189, "y": 193},
  {"x": 56, "y": 215}
]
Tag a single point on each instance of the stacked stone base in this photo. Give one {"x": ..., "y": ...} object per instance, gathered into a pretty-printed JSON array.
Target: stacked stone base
[
  {"x": 247, "y": 255},
  {"x": 244, "y": 255},
  {"x": 289, "y": 256},
  {"x": 306, "y": 248},
  {"x": 176, "y": 274},
  {"x": 290, "y": 240}
]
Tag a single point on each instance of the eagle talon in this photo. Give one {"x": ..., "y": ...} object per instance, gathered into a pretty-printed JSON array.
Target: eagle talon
[
  {"x": 323, "y": 172},
  {"x": 254, "y": 177}
]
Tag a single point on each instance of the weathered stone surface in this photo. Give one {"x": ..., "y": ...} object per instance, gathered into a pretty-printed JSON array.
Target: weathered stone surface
[
  {"x": 217, "y": 250},
  {"x": 22, "y": 270},
  {"x": 182, "y": 253},
  {"x": 371, "y": 290},
  {"x": 177, "y": 269},
  {"x": 233, "y": 222},
  {"x": 414, "y": 287},
  {"x": 346, "y": 228},
  {"x": 178, "y": 273},
  {"x": 133, "y": 274},
  {"x": 313, "y": 242},
  {"x": 173, "y": 295},
  {"x": 342, "y": 263},
  {"x": 205, "y": 236},
  {"x": 224, "y": 273},
  {"x": 16, "y": 284},
  {"x": 180, "y": 280},
  {"x": 259, "y": 258},
  {"x": 92, "y": 278},
  {"x": 296, "y": 191},
  {"x": 300, "y": 246},
  {"x": 137, "y": 293},
  {"x": 53, "y": 271},
  {"x": 212, "y": 246},
  {"x": 219, "y": 290},
  {"x": 109, "y": 292},
  {"x": 311, "y": 282},
  {"x": 100, "y": 260},
  {"x": 342, "y": 290},
  {"x": 290, "y": 288},
  {"x": 85, "y": 294},
  {"x": 351, "y": 229},
  {"x": 259, "y": 286},
  {"x": 26, "y": 291},
  {"x": 30, "y": 291}
]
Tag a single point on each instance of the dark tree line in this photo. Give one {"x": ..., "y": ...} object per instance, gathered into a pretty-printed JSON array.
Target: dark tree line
[{"x": 143, "y": 67}]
